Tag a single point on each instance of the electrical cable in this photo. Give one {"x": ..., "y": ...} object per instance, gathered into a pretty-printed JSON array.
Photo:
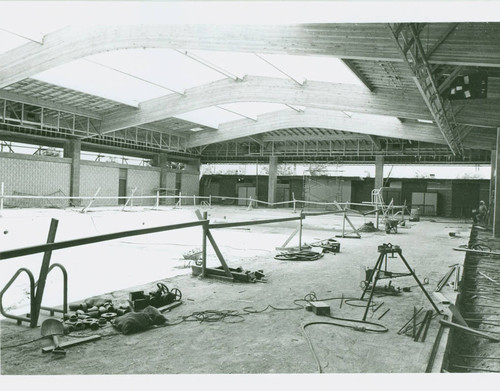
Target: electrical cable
[
  {"x": 304, "y": 255},
  {"x": 20, "y": 344}
]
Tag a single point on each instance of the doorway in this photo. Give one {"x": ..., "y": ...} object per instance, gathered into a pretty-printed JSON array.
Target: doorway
[{"x": 122, "y": 186}]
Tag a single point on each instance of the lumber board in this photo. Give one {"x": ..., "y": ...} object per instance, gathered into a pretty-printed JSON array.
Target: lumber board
[
  {"x": 469, "y": 250},
  {"x": 469, "y": 330},
  {"x": 441, "y": 298},
  {"x": 458, "y": 316}
]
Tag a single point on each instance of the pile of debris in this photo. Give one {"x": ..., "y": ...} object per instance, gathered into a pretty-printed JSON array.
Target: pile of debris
[{"x": 367, "y": 227}]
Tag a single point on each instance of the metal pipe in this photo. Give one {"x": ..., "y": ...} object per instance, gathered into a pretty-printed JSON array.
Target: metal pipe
[
  {"x": 44, "y": 270},
  {"x": 32, "y": 295},
  {"x": 300, "y": 230},
  {"x": 407, "y": 323},
  {"x": 92, "y": 239},
  {"x": 252, "y": 222},
  {"x": 204, "y": 246}
]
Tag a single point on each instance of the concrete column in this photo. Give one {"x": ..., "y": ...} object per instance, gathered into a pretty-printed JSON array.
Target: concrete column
[
  {"x": 379, "y": 171},
  {"x": 496, "y": 204},
  {"x": 72, "y": 150},
  {"x": 273, "y": 179}
]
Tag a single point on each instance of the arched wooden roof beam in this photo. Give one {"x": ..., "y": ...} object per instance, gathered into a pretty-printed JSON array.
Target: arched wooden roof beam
[
  {"x": 323, "y": 119},
  {"x": 367, "y": 41},
  {"x": 274, "y": 90}
]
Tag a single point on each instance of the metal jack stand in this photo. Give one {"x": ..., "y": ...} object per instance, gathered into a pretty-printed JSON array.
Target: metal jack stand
[{"x": 384, "y": 250}]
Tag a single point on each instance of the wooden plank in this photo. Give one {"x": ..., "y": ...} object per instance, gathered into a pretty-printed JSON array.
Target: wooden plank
[
  {"x": 72, "y": 343},
  {"x": 169, "y": 307},
  {"x": 468, "y": 250},
  {"x": 441, "y": 298},
  {"x": 215, "y": 247},
  {"x": 469, "y": 330},
  {"x": 458, "y": 316}
]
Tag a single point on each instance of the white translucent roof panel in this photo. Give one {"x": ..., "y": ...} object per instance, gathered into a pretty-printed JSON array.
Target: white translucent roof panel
[
  {"x": 239, "y": 64},
  {"x": 315, "y": 68},
  {"x": 300, "y": 68},
  {"x": 94, "y": 79},
  {"x": 210, "y": 116},
  {"x": 9, "y": 41},
  {"x": 165, "y": 67}
]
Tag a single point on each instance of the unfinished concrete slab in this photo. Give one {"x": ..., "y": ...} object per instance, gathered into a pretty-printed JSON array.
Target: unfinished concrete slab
[{"x": 259, "y": 328}]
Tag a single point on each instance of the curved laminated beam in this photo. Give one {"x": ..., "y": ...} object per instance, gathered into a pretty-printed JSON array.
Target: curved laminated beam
[
  {"x": 71, "y": 43},
  {"x": 317, "y": 118},
  {"x": 274, "y": 90},
  {"x": 367, "y": 41}
]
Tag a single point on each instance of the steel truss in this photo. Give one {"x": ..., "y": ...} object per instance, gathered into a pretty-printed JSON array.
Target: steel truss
[
  {"x": 37, "y": 120},
  {"x": 406, "y": 36}
]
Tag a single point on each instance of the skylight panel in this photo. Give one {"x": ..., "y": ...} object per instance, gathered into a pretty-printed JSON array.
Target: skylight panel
[
  {"x": 240, "y": 64},
  {"x": 9, "y": 41},
  {"x": 84, "y": 76},
  {"x": 165, "y": 67},
  {"x": 210, "y": 116},
  {"x": 328, "y": 69}
]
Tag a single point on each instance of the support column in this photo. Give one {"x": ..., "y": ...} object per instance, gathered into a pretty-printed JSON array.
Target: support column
[
  {"x": 167, "y": 178},
  {"x": 72, "y": 150},
  {"x": 273, "y": 179},
  {"x": 496, "y": 209},
  {"x": 379, "y": 171}
]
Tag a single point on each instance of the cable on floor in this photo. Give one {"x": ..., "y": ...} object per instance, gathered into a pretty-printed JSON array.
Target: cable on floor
[{"x": 304, "y": 255}]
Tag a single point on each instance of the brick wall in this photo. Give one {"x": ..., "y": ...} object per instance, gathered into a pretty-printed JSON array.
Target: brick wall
[{"x": 35, "y": 175}]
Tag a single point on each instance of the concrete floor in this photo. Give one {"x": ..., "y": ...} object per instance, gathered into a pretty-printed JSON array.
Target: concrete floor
[{"x": 268, "y": 342}]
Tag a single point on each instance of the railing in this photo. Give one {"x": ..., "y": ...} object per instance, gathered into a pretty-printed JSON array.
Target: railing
[{"x": 36, "y": 296}]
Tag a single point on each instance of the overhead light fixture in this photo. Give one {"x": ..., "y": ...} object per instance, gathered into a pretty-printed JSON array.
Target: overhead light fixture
[
  {"x": 425, "y": 121},
  {"x": 196, "y": 129}
]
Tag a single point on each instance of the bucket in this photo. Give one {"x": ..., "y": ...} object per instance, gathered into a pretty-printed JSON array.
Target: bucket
[{"x": 414, "y": 214}]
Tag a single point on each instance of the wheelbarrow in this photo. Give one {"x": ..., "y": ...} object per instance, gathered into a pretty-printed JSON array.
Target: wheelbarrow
[
  {"x": 53, "y": 328},
  {"x": 391, "y": 225}
]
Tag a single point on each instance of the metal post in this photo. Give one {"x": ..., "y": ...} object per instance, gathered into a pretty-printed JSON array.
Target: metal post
[
  {"x": 376, "y": 219},
  {"x": 374, "y": 277},
  {"x": 343, "y": 223},
  {"x": 1, "y": 196},
  {"x": 293, "y": 197},
  {"x": 43, "y": 274},
  {"x": 157, "y": 199},
  {"x": 419, "y": 283},
  {"x": 300, "y": 231},
  {"x": 204, "y": 245}
]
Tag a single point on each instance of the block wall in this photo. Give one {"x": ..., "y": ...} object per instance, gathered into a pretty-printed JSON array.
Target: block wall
[
  {"x": 146, "y": 180},
  {"x": 190, "y": 185},
  {"x": 94, "y": 175},
  {"x": 35, "y": 175}
]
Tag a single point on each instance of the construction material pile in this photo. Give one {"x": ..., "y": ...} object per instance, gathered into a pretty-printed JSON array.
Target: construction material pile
[{"x": 367, "y": 227}]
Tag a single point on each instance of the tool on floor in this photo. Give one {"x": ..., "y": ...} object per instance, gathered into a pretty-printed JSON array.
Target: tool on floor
[
  {"x": 454, "y": 271},
  {"x": 53, "y": 328},
  {"x": 163, "y": 296},
  {"x": 384, "y": 250}
]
